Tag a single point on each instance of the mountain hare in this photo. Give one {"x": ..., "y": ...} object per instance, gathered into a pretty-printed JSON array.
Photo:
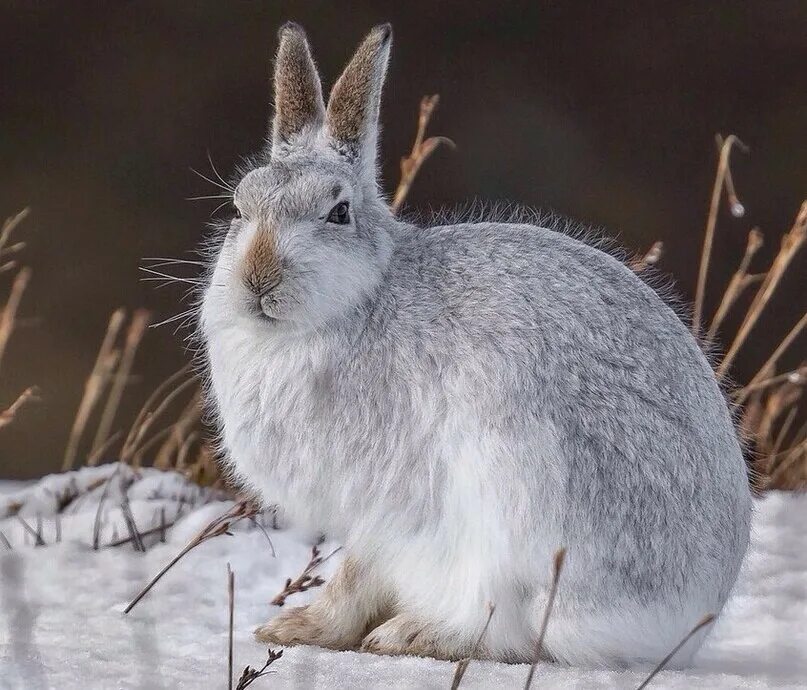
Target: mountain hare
[{"x": 456, "y": 403}]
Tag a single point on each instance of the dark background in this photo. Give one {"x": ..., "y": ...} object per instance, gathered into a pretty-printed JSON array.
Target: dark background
[{"x": 602, "y": 111}]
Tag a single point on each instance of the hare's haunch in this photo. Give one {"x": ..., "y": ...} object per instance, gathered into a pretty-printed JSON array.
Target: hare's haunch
[{"x": 456, "y": 403}]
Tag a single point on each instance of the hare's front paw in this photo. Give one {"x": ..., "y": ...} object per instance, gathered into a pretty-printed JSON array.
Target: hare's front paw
[
  {"x": 301, "y": 625},
  {"x": 402, "y": 635}
]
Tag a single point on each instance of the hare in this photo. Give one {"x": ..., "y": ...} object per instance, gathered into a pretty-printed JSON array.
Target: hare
[{"x": 456, "y": 403}]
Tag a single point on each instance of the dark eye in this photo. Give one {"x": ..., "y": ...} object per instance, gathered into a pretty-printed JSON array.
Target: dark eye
[
  {"x": 340, "y": 214},
  {"x": 236, "y": 212}
]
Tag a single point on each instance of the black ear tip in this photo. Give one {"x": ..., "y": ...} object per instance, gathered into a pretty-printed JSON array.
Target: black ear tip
[
  {"x": 384, "y": 31},
  {"x": 290, "y": 27}
]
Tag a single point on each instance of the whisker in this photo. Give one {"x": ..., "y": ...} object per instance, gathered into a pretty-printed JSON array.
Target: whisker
[
  {"x": 225, "y": 187},
  {"x": 169, "y": 260},
  {"x": 171, "y": 319},
  {"x": 215, "y": 171},
  {"x": 167, "y": 276},
  {"x": 208, "y": 196}
]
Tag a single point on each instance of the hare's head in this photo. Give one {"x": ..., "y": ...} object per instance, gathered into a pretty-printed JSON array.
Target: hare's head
[{"x": 309, "y": 240}]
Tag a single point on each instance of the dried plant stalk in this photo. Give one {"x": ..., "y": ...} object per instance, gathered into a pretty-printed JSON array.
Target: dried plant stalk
[
  {"x": 28, "y": 395},
  {"x": 231, "y": 601},
  {"x": 94, "y": 386},
  {"x": 144, "y": 418},
  {"x": 422, "y": 148},
  {"x": 305, "y": 580},
  {"x": 711, "y": 221},
  {"x": 134, "y": 335},
  {"x": 738, "y": 283},
  {"x": 774, "y": 357},
  {"x": 791, "y": 243},
  {"x": 462, "y": 664},
  {"x": 250, "y": 674},
  {"x": 215, "y": 528},
  {"x": 8, "y": 316},
  {"x": 666, "y": 660},
  {"x": 557, "y": 568}
]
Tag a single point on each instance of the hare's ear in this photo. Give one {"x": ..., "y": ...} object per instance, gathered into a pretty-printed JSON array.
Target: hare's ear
[
  {"x": 352, "y": 117},
  {"x": 298, "y": 91}
]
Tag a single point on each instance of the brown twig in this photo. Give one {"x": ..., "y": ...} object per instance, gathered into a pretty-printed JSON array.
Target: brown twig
[
  {"x": 94, "y": 386},
  {"x": 215, "y": 528},
  {"x": 305, "y": 580},
  {"x": 711, "y": 222},
  {"x": 250, "y": 675},
  {"x": 37, "y": 534},
  {"x": 462, "y": 664},
  {"x": 764, "y": 370},
  {"x": 231, "y": 601},
  {"x": 738, "y": 283},
  {"x": 422, "y": 148},
  {"x": 96, "y": 527},
  {"x": 702, "y": 624},
  {"x": 28, "y": 395},
  {"x": 169, "y": 388},
  {"x": 9, "y": 313},
  {"x": 134, "y": 335},
  {"x": 557, "y": 568},
  {"x": 791, "y": 243}
]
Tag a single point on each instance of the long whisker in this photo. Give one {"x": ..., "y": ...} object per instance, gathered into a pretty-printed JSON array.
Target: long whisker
[
  {"x": 169, "y": 260},
  {"x": 176, "y": 317},
  {"x": 225, "y": 187},
  {"x": 208, "y": 196},
  {"x": 167, "y": 276},
  {"x": 215, "y": 171}
]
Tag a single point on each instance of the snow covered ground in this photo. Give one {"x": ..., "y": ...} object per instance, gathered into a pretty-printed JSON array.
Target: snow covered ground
[{"x": 61, "y": 605}]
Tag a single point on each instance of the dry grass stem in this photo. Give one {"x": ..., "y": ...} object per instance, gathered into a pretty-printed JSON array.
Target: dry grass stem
[
  {"x": 738, "y": 283},
  {"x": 791, "y": 243},
  {"x": 422, "y": 148},
  {"x": 165, "y": 393},
  {"x": 94, "y": 386},
  {"x": 250, "y": 675},
  {"x": 305, "y": 580},
  {"x": 711, "y": 222},
  {"x": 557, "y": 568},
  {"x": 96, "y": 527},
  {"x": 134, "y": 335},
  {"x": 666, "y": 660},
  {"x": 215, "y": 528},
  {"x": 231, "y": 602},
  {"x": 462, "y": 664},
  {"x": 795, "y": 376},
  {"x": 770, "y": 363},
  {"x": 8, "y": 316},
  {"x": 8, "y": 415},
  {"x": 35, "y": 533}
]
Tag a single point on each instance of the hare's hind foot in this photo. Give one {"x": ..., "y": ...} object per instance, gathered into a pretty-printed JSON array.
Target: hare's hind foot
[
  {"x": 305, "y": 625},
  {"x": 403, "y": 635},
  {"x": 348, "y": 605}
]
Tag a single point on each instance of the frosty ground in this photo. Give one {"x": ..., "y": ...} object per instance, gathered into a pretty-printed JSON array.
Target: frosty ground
[{"x": 61, "y": 605}]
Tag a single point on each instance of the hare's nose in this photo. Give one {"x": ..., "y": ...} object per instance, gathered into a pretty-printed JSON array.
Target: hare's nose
[{"x": 266, "y": 298}]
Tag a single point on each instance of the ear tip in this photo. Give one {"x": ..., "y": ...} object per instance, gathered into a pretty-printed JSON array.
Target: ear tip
[
  {"x": 290, "y": 28},
  {"x": 383, "y": 31}
]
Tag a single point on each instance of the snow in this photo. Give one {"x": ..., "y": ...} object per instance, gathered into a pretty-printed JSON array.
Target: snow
[{"x": 61, "y": 605}]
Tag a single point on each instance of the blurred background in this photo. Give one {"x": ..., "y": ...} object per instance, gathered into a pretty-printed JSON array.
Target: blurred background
[{"x": 605, "y": 112}]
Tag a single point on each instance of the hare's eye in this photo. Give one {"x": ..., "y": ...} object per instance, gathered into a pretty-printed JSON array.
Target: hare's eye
[
  {"x": 236, "y": 212},
  {"x": 340, "y": 214}
]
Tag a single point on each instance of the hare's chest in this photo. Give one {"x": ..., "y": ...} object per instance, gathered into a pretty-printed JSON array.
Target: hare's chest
[{"x": 269, "y": 405}]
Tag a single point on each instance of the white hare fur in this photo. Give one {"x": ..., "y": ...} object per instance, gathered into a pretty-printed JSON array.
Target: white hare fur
[{"x": 456, "y": 403}]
